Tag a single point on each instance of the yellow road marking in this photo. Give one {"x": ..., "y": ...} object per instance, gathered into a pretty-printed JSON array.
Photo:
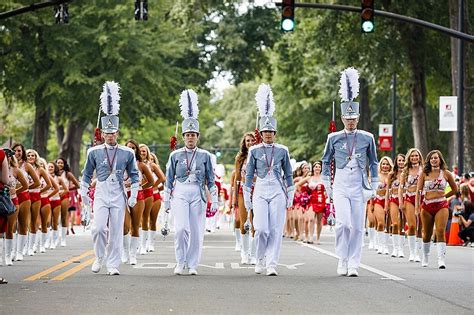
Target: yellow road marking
[
  {"x": 72, "y": 271},
  {"x": 58, "y": 266}
]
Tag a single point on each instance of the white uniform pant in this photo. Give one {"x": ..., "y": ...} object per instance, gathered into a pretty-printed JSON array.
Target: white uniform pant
[
  {"x": 189, "y": 221},
  {"x": 269, "y": 212},
  {"x": 350, "y": 214},
  {"x": 109, "y": 214}
]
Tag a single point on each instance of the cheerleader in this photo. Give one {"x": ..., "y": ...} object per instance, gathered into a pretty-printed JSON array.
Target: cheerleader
[
  {"x": 18, "y": 185},
  {"x": 406, "y": 196},
  {"x": 392, "y": 205},
  {"x": 56, "y": 203},
  {"x": 73, "y": 184},
  {"x": 152, "y": 209},
  {"x": 24, "y": 199},
  {"x": 385, "y": 167},
  {"x": 297, "y": 212},
  {"x": 188, "y": 171},
  {"x": 234, "y": 208},
  {"x": 434, "y": 207},
  {"x": 36, "y": 202},
  {"x": 133, "y": 217},
  {"x": 248, "y": 140},
  {"x": 317, "y": 202},
  {"x": 304, "y": 216},
  {"x": 45, "y": 211}
]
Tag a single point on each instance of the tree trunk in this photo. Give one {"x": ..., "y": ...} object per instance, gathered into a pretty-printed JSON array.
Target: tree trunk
[
  {"x": 59, "y": 130},
  {"x": 468, "y": 125},
  {"x": 41, "y": 127},
  {"x": 414, "y": 36},
  {"x": 72, "y": 143},
  {"x": 366, "y": 123}
]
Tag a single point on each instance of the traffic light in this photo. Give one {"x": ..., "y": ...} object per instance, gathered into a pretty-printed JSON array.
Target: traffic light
[
  {"x": 367, "y": 24},
  {"x": 288, "y": 16},
  {"x": 61, "y": 14},
  {"x": 141, "y": 10}
]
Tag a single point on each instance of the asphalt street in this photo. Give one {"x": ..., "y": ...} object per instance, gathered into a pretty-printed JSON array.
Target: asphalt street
[{"x": 60, "y": 281}]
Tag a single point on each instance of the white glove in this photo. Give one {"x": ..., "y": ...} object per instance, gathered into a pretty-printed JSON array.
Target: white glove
[
  {"x": 132, "y": 200},
  {"x": 327, "y": 187},
  {"x": 247, "y": 198},
  {"x": 374, "y": 184},
  {"x": 84, "y": 189},
  {"x": 291, "y": 196}
]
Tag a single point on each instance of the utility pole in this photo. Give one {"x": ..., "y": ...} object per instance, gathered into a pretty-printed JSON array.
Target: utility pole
[
  {"x": 461, "y": 91},
  {"x": 394, "y": 117}
]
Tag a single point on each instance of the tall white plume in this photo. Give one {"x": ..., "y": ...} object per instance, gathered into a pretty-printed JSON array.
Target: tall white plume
[
  {"x": 110, "y": 98},
  {"x": 264, "y": 98},
  {"x": 349, "y": 88},
  {"x": 188, "y": 103}
]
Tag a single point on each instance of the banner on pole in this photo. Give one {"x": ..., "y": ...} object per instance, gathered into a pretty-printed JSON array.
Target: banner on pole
[
  {"x": 448, "y": 113},
  {"x": 385, "y": 137}
]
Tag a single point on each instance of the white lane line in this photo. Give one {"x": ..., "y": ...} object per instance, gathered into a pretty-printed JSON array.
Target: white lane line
[{"x": 386, "y": 275}]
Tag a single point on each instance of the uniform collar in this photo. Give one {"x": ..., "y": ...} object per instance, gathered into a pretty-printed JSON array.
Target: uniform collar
[
  {"x": 268, "y": 145},
  {"x": 350, "y": 132},
  {"x": 110, "y": 147},
  {"x": 190, "y": 150}
]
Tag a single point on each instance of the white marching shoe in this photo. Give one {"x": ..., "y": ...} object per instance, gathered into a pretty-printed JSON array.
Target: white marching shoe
[
  {"x": 8, "y": 252},
  {"x": 97, "y": 265},
  {"x": 111, "y": 271},
  {"x": 441, "y": 247},
  {"x": 342, "y": 267},
  {"x": 426, "y": 252},
  {"x": 260, "y": 266},
  {"x": 412, "y": 247},
  {"x": 143, "y": 241},
  {"x": 54, "y": 240},
  {"x": 134, "y": 243},
  {"x": 418, "y": 249},
  {"x": 271, "y": 271},
  {"x": 352, "y": 272},
  {"x": 126, "y": 249},
  {"x": 63, "y": 236},
  {"x": 31, "y": 244},
  {"x": 178, "y": 270},
  {"x": 150, "y": 243},
  {"x": 193, "y": 272}
]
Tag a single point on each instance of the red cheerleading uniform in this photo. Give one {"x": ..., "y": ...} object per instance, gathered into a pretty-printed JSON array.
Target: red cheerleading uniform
[
  {"x": 156, "y": 195},
  {"x": 148, "y": 192},
  {"x": 317, "y": 199},
  {"x": 439, "y": 184}
]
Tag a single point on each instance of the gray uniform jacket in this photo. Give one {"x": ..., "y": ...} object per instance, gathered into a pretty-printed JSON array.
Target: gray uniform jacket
[
  {"x": 97, "y": 160},
  {"x": 338, "y": 146},
  {"x": 201, "y": 167},
  {"x": 258, "y": 163}
]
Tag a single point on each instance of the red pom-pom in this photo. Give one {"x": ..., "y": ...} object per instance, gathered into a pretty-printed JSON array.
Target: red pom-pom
[
  {"x": 173, "y": 143},
  {"x": 97, "y": 136},
  {"x": 332, "y": 126},
  {"x": 258, "y": 137}
]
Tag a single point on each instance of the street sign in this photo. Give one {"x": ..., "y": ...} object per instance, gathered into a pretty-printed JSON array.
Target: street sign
[
  {"x": 385, "y": 137},
  {"x": 448, "y": 113}
]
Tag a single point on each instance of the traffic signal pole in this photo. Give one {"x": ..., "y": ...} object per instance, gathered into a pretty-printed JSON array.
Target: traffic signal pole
[
  {"x": 451, "y": 32},
  {"x": 31, "y": 7},
  {"x": 407, "y": 19}
]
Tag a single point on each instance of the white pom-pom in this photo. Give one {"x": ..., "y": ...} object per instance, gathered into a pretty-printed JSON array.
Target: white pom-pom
[
  {"x": 264, "y": 98},
  {"x": 349, "y": 84},
  {"x": 188, "y": 103},
  {"x": 110, "y": 98}
]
